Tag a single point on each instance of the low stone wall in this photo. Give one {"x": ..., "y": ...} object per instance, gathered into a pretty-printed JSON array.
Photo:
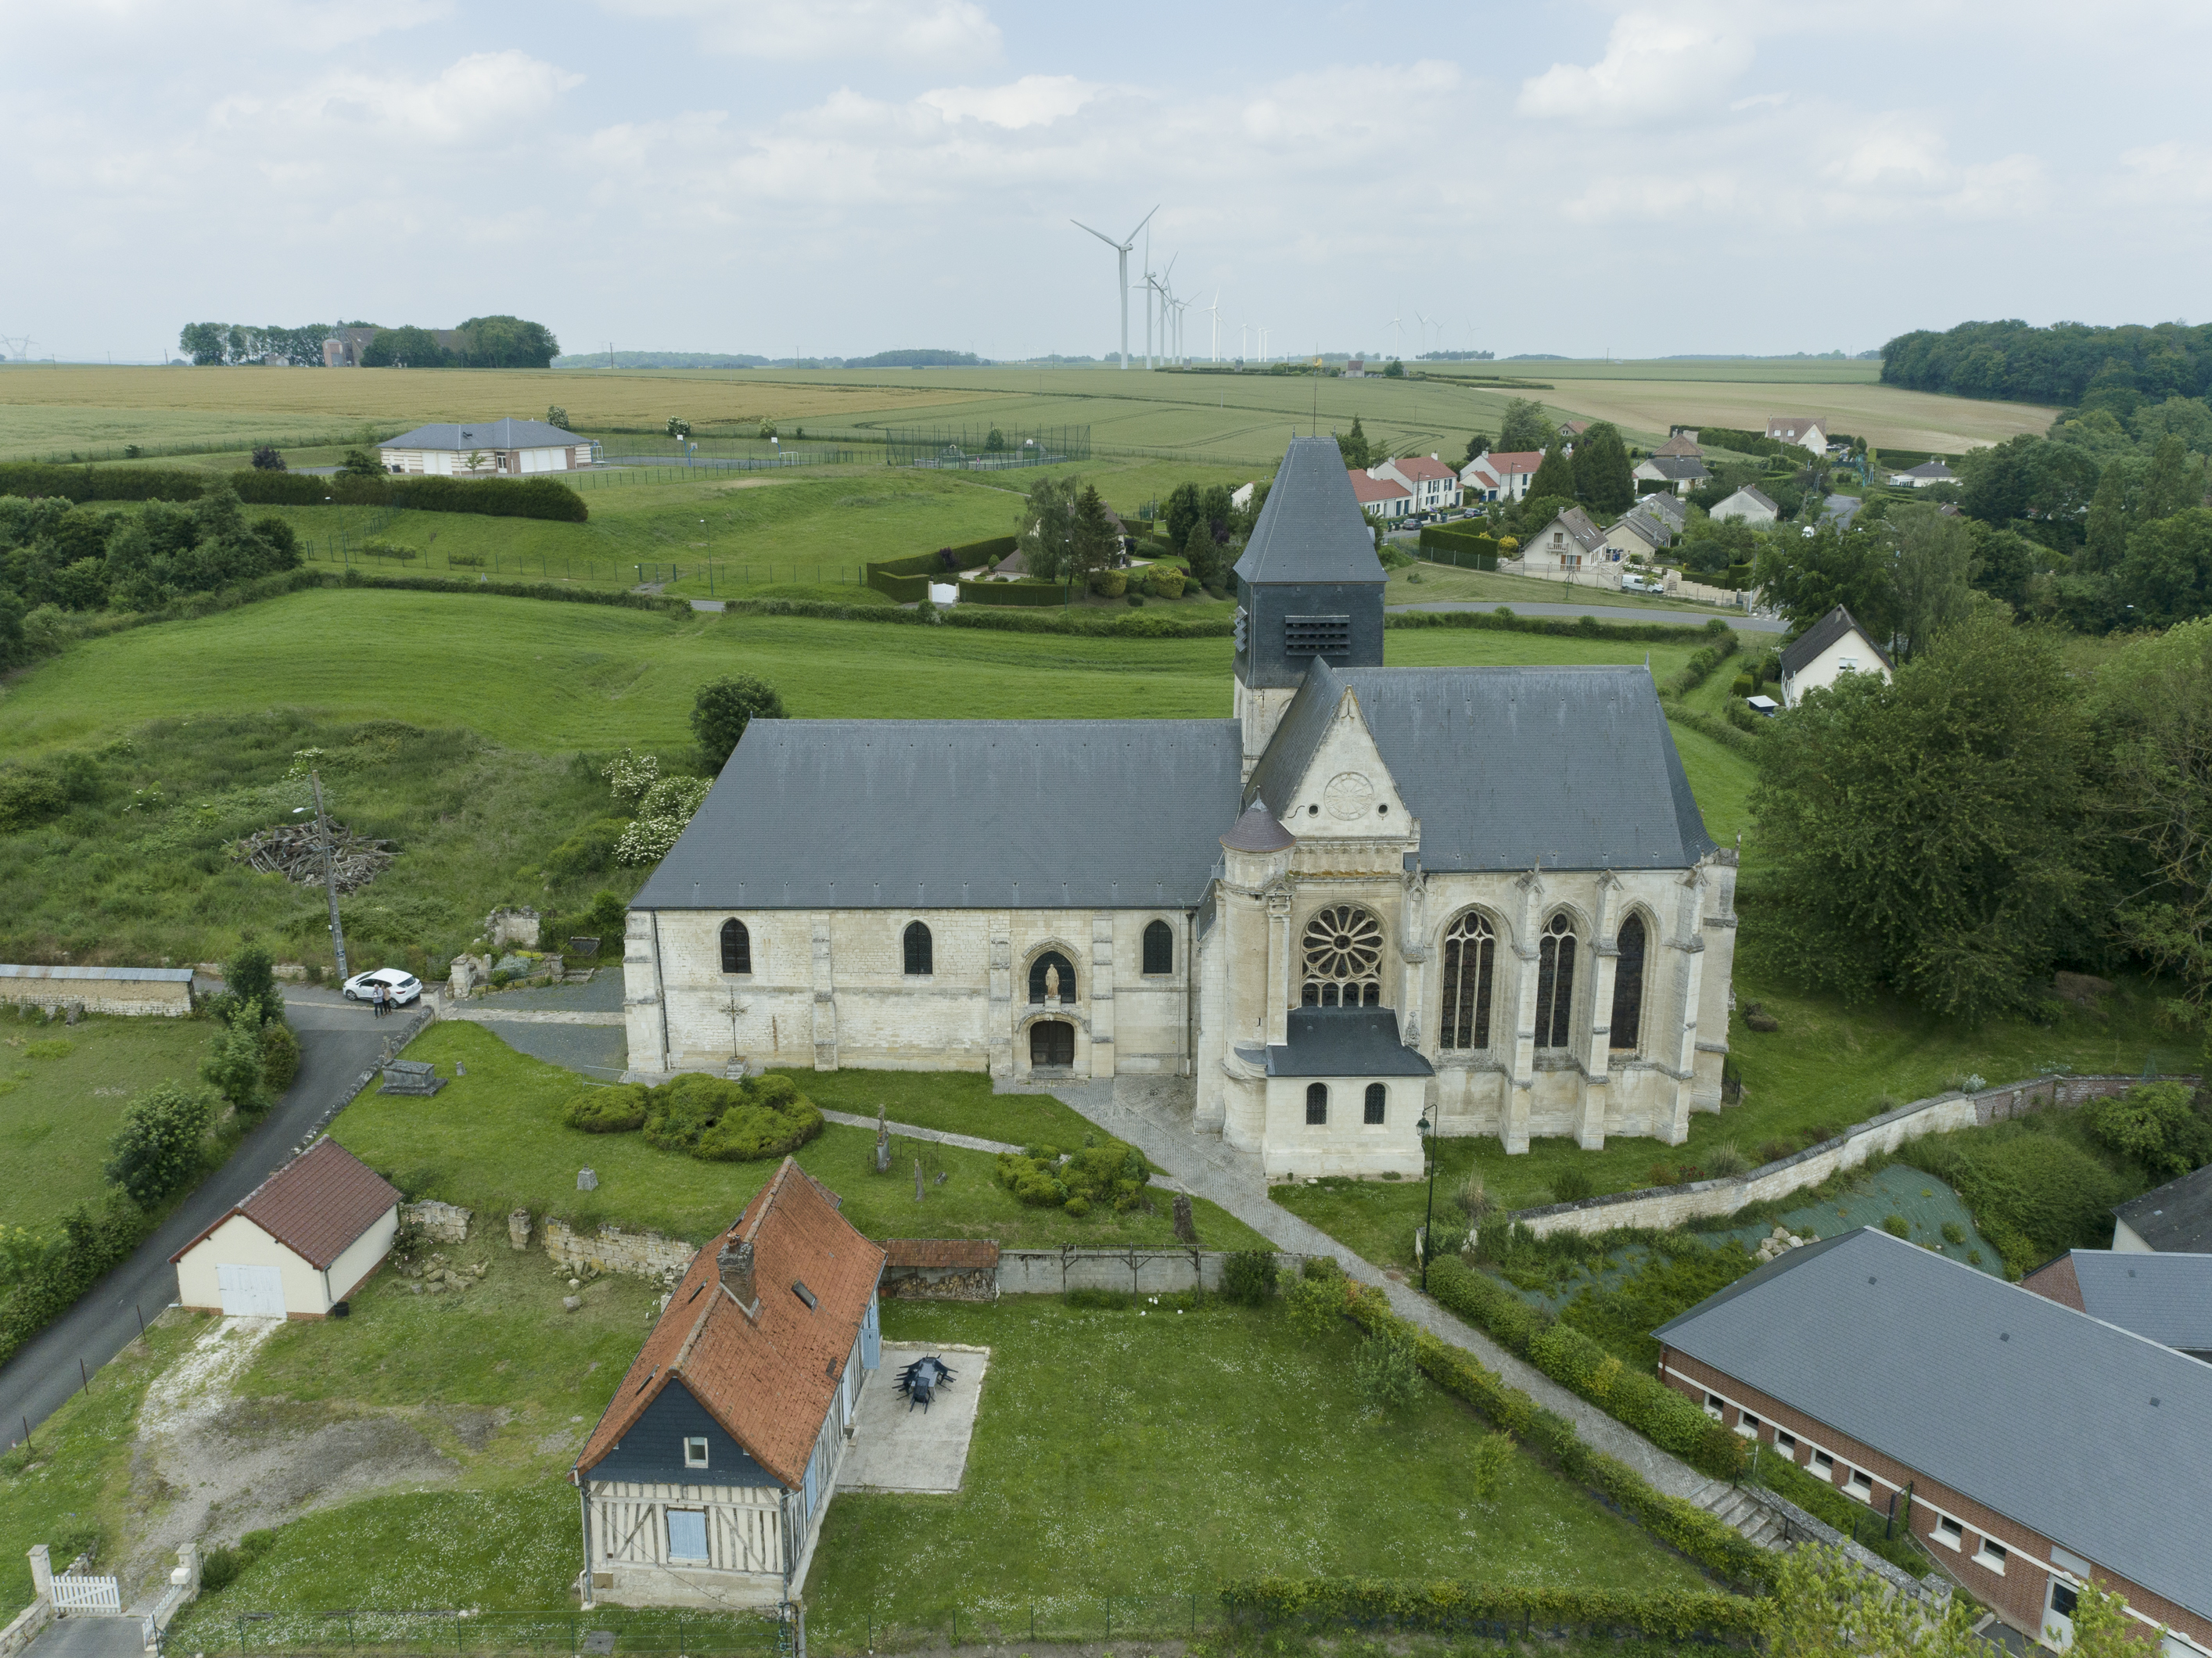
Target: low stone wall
[
  {"x": 120, "y": 990},
  {"x": 26, "y": 1627},
  {"x": 444, "y": 1223},
  {"x": 1663, "y": 1206},
  {"x": 611, "y": 1249},
  {"x": 940, "y": 1284},
  {"x": 1141, "y": 1272}
]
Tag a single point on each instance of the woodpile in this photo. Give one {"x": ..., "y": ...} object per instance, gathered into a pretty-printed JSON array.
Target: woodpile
[{"x": 294, "y": 851}]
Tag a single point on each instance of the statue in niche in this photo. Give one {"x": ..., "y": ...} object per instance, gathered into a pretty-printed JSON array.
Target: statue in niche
[{"x": 1051, "y": 981}]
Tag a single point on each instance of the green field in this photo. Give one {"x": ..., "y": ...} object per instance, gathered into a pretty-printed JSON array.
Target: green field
[{"x": 63, "y": 1089}]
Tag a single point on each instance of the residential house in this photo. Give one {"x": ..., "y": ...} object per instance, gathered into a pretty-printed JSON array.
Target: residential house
[
  {"x": 1682, "y": 446},
  {"x": 1641, "y": 532},
  {"x": 1356, "y": 370},
  {"x": 344, "y": 349},
  {"x": 1504, "y": 477},
  {"x": 1832, "y": 648},
  {"x": 2176, "y": 1216},
  {"x": 1805, "y": 431},
  {"x": 1433, "y": 485},
  {"x": 1571, "y": 429},
  {"x": 1678, "y": 474},
  {"x": 1674, "y": 511},
  {"x": 2162, "y": 1298},
  {"x": 1570, "y": 541},
  {"x": 1920, "y": 477},
  {"x": 2030, "y": 1447},
  {"x": 1749, "y": 506},
  {"x": 514, "y": 448},
  {"x": 707, "y": 1479},
  {"x": 1380, "y": 498},
  {"x": 295, "y": 1246}
]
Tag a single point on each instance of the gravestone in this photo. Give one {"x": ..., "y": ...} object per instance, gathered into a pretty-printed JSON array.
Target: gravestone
[
  {"x": 586, "y": 1180},
  {"x": 1185, "y": 1229},
  {"x": 410, "y": 1077}
]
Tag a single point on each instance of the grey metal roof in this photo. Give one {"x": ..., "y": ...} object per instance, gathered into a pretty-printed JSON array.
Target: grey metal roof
[
  {"x": 2166, "y": 1298},
  {"x": 2091, "y": 1436},
  {"x": 2175, "y": 1216},
  {"x": 1675, "y": 468},
  {"x": 958, "y": 814},
  {"x": 127, "y": 974},
  {"x": 485, "y": 434},
  {"x": 1756, "y": 496},
  {"x": 1312, "y": 528},
  {"x": 1345, "y": 1042},
  {"x": 1508, "y": 768},
  {"x": 1808, "y": 646}
]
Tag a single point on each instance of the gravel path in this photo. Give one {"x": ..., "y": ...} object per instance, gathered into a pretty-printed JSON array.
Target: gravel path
[{"x": 907, "y": 1130}]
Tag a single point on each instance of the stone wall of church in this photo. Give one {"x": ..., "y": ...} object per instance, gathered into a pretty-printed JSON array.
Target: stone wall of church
[{"x": 828, "y": 989}]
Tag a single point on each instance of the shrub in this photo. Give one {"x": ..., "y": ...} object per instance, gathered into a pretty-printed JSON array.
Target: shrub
[
  {"x": 1386, "y": 1370},
  {"x": 1103, "y": 1301},
  {"x": 607, "y": 1111},
  {"x": 1486, "y": 1464},
  {"x": 719, "y": 1120},
  {"x": 220, "y": 1566},
  {"x": 724, "y": 708},
  {"x": 1321, "y": 1269},
  {"x": 158, "y": 1149},
  {"x": 1896, "y": 1226},
  {"x": 233, "y": 1067},
  {"x": 1166, "y": 581},
  {"x": 1110, "y": 1172},
  {"x": 1744, "y": 686},
  {"x": 251, "y": 976},
  {"x": 1474, "y": 1198},
  {"x": 1775, "y": 1151},
  {"x": 280, "y": 1057},
  {"x": 1109, "y": 584},
  {"x": 589, "y": 850},
  {"x": 1725, "y": 1160},
  {"x": 1953, "y": 1234},
  {"x": 1570, "y": 1185},
  {"x": 2033, "y": 1194},
  {"x": 1250, "y": 1277},
  {"x": 1314, "y": 1306},
  {"x": 2157, "y": 1124}
]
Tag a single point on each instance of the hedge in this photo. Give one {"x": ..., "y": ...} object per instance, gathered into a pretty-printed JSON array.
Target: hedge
[
  {"x": 1701, "y": 667},
  {"x": 906, "y": 589},
  {"x": 426, "y": 584},
  {"x": 1670, "y": 1420},
  {"x": 1752, "y": 443},
  {"x": 536, "y": 497},
  {"x": 895, "y": 571},
  {"x": 1030, "y": 594},
  {"x": 1503, "y": 621},
  {"x": 91, "y": 1243},
  {"x": 1454, "y": 1604},
  {"x": 1458, "y": 546}
]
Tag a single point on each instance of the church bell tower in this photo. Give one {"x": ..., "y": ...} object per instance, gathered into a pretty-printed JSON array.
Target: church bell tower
[{"x": 1309, "y": 585}]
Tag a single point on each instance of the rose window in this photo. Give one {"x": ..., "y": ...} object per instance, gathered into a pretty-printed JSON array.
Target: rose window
[{"x": 1343, "y": 951}]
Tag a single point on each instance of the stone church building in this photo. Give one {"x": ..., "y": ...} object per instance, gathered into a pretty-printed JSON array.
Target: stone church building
[{"x": 1372, "y": 893}]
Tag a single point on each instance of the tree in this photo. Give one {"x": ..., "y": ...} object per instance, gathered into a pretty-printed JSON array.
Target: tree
[
  {"x": 1478, "y": 445},
  {"x": 266, "y": 459},
  {"x": 2169, "y": 485},
  {"x": 504, "y": 342},
  {"x": 1049, "y": 536},
  {"x": 1181, "y": 511},
  {"x": 2107, "y": 523},
  {"x": 678, "y": 427},
  {"x": 2166, "y": 576},
  {"x": 1934, "y": 573},
  {"x": 2003, "y": 562},
  {"x": 360, "y": 463},
  {"x": 1555, "y": 475},
  {"x": 1203, "y": 554},
  {"x": 1928, "y": 835},
  {"x": 722, "y": 710},
  {"x": 157, "y": 1150},
  {"x": 405, "y": 348},
  {"x": 250, "y": 977},
  {"x": 233, "y": 1067},
  {"x": 1395, "y": 370},
  {"x": 1603, "y": 478},
  {"x": 555, "y": 416},
  {"x": 204, "y": 342},
  {"x": 2156, "y": 1125},
  {"x": 1354, "y": 445},
  {"x": 1094, "y": 544},
  {"x": 1526, "y": 428}
]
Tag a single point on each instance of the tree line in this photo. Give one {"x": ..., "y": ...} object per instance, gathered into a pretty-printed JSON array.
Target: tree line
[
  {"x": 497, "y": 341},
  {"x": 2061, "y": 364}
]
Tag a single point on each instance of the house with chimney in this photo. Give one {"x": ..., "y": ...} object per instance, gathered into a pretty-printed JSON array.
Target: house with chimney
[
  {"x": 706, "y": 1481},
  {"x": 1503, "y": 475},
  {"x": 1433, "y": 485}
]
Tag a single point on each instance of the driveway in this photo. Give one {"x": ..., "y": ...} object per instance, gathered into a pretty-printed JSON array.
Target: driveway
[{"x": 339, "y": 1042}]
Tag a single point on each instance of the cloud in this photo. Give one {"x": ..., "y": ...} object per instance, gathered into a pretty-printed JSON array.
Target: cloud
[
  {"x": 1654, "y": 64},
  {"x": 479, "y": 98},
  {"x": 1033, "y": 100},
  {"x": 1760, "y": 100},
  {"x": 929, "y": 30},
  {"x": 2167, "y": 173}
]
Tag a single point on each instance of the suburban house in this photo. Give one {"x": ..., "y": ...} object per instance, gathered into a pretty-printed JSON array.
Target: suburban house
[
  {"x": 1500, "y": 476},
  {"x": 1920, "y": 477},
  {"x": 2030, "y": 1447},
  {"x": 1434, "y": 486},
  {"x": 2174, "y": 1217},
  {"x": 1832, "y": 648},
  {"x": 297, "y": 1245},
  {"x": 1680, "y": 474},
  {"x": 511, "y": 446},
  {"x": 1571, "y": 429},
  {"x": 1683, "y": 445},
  {"x": 1381, "y": 498},
  {"x": 2162, "y": 1298},
  {"x": 1567, "y": 543},
  {"x": 1749, "y": 506},
  {"x": 1805, "y": 431},
  {"x": 344, "y": 349},
  {"x": 1641, "y": 532},
  {"x": 706, "y": 1481}
]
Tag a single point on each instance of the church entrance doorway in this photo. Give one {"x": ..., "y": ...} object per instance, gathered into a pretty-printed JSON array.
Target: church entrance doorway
[{"x": 1052, "y": 1043}]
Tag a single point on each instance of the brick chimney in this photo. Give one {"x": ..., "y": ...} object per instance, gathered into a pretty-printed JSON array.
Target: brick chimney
[{"x": 735, "y": 1261}]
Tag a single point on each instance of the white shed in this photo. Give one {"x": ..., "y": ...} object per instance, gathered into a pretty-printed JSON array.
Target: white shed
[
  {"x": 301, "y": 1242},
  {"x": 511, "y": 448}
]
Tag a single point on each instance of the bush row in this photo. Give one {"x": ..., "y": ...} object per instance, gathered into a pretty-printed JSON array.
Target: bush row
[
  {"x": 1670, "y": 1420},
  {"x": 425, "y": 584},
  {"x": 1681, "y": 1525},
  {"x": 537, "y": 497},
  {"x": 1502, "y": 620},
  {"x": 1733, "y": 732},
  {"x": 1027, "y": 595},
  {"x": 991, "y": 549},
  {"x": 1451, "y": 1603},
  {"x": 710, "y": 1118},
  {"x": 91, "y": 1241},
  {"x": 1701, "y": 666}
]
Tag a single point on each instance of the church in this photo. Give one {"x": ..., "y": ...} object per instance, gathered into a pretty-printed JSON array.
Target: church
[{"x": 1482, "y": 896}]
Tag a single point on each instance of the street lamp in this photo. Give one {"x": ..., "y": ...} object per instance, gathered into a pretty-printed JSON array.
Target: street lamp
[{"x": 1429, "y": 1226}]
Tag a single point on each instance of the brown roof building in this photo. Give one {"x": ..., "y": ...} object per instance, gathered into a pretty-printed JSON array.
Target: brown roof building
[
  {"x": 298, "y": 1244},
  {"x": 705, "y": 1482}
]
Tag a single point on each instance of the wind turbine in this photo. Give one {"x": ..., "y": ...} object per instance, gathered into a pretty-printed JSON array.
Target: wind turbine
[
  {"x": 1398, "y": 324},
  {"x": 1214, "y": 311},
  {"x": 1123, "y": 248}
]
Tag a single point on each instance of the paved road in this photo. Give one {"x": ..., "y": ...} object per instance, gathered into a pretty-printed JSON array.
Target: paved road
[
  {"x": 338, "y": 1041},
  {"x": 1757, "y": 624}
]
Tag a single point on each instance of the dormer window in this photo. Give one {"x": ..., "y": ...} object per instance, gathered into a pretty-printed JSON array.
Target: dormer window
[{"x": 695, "y": 1452}]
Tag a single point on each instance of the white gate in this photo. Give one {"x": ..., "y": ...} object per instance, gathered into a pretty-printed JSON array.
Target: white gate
[
  {"x": 95, "y": 1594},
  {"x": 251, "y": 1292}
]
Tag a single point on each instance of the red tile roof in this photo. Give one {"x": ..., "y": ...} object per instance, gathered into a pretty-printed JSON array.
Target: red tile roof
[
  {"x": 316, "y": 1206},
  {"x": 1422, "y": 466},
  {"x": 767, "y": 1377},
  {"x": 1516, "y": 460},
  {"x": 1367, "y": 490},
  {"x": 966, "y": 1254},
  {"x": 2057, "y": 1281}
]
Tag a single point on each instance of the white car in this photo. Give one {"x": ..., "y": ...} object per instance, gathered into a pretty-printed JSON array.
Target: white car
[
  {"x": 1633, "y": 583},
  {"x": 401, "y": 986}
]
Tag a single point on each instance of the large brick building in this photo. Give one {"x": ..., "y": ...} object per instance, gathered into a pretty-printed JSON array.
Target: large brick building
[{"x": 2039, "y": 1447}]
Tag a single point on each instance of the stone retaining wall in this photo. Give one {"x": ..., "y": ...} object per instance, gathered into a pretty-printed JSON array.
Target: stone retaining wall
[
  {"x": 940, "y": 1284},
  {"x": 611, "y": 1249},
  {"x": 442, "y": 1223},
  {"x": 1663, "y": 1206},
  {"x": 26, "y": 1627},
  {"x": 1141, "y": 1272}
]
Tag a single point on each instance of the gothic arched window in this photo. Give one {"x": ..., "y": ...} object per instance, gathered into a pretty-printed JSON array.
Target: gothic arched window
[
  {"x": 736, "y": 947},
  {"x": 1555, "y": 983},
  {"x": 1316, "y": 1103},
  {"x": 919, "y": 957},
  {"x": 1470, "y": 953},
  {"x": 1628, "y": 986},
  {"x": 1051, "y": 973},
  {"x": 1343, "y": 952},
  {"x": 1378, "y": 1097},
  {"x": 1159, "y": 948}
]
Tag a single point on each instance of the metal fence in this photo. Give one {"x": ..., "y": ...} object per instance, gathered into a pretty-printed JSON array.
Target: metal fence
[
  {"x": 984, "y": 448},
  {"x": 663, "y": 468}
]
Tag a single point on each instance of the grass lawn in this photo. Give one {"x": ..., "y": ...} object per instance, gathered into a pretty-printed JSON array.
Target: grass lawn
[
  {"x": 492, "y": 1140},
  {"x": 956, "y": 1101},
  {"x": 1164, "y": 1455},
  {"x": 63, "y": 1089}
]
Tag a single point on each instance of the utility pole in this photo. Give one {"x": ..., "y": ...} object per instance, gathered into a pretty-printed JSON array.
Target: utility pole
[{"x": 329, "y": 875}]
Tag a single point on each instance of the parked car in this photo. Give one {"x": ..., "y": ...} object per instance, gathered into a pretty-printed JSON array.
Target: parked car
[
  {"x": 1633, "y": 583},
  {"x": 399, "y": 984}
]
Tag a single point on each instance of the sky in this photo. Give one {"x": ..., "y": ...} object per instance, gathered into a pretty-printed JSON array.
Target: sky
[{"x": 841, "y": 177}]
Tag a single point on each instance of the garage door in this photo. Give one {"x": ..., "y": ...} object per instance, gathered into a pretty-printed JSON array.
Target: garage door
[{"x": 251, "y": 1292}]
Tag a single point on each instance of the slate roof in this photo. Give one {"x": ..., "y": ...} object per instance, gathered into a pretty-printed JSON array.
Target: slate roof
[
  {"x": 1675, "y": 468},
  {"x": 485, "y": 434},
  {"x": 1679, "y": 443},
  {"x": 2166, "y": 1298},
  {"x": 2084, "y": 1434},
  {"x": 767, "y": 1379},
  {"x": 1756, "y": 496},
  {"x": 1508, "y": 768},
  {"x": 1580, "y": 530},
  {"x": 1311, "y": 528},
  {"x": 1789, "y": 428},
  {"x": 954, "y": 814},
  {"x": 2175, "y": 1216},
  {"x": 1932, "y": 471},
  {"x": 1651, "y": 528},
  {"x": 316, "y": 1206},
  {"x": 1259, "y": 830},
  {"x": 1673, "y": 508},
  {"x": 1806, "y": 648},
  {"x": 1345, "y": 1042}
]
